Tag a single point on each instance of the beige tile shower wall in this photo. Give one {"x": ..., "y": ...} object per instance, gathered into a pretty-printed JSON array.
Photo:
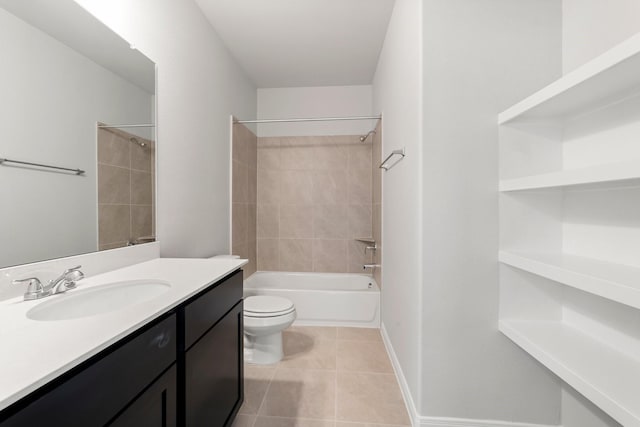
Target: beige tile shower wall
[
  {"x": 126, "y": 183},
  {"x": 377, "y": 199},
  {"x": 314, "y": 199},
  {"x": 244, "y": 185}
]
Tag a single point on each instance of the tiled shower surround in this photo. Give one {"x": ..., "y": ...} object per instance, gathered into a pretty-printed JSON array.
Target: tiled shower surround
[
  {"x": 243, "y": 213},
  {"x": 314, "y": 197},
  {"x": 125, "y": 188}
]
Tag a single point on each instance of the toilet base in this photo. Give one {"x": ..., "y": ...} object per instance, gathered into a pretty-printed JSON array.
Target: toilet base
[{"x": 263, "y": 350}]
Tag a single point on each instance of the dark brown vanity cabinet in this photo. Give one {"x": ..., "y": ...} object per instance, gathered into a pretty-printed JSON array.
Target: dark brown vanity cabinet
[{"x": 184, "y": 369}]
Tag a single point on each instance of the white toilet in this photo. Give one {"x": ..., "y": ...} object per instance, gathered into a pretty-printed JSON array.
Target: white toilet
[{"x": 265, "y": 317}]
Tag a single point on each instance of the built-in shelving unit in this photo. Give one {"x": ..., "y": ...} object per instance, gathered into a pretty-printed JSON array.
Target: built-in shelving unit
[{"x": 570, "y": 229}]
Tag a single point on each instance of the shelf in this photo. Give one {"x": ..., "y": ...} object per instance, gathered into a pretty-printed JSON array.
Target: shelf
[
  {"x": 594, "y": 175},
  {"x": 609, "y": 77},
  {"x": 620, "y": 283},
  {"x": 607, "y": 377}
]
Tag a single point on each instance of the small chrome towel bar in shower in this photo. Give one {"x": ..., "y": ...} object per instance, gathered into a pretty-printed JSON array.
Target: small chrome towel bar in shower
[
  {"x": 144, "y": 125},
  {"x": 310, "y": 119},
  {"x": 385, "y": 163},
  {"x": 40, "y": 165}
]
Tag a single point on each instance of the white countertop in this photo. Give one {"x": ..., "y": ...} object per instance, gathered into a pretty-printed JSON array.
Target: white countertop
[{"x": 35, "y": 352}]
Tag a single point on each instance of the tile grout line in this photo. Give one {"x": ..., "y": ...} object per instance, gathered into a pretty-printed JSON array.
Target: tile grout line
[
  {"x": 264, "y": 398},
  {"x": 349, "y": 371}
]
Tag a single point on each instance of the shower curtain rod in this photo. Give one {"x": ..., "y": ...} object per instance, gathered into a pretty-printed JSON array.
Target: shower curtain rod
[
  {"x": 310, "y": 119},
  {"x": 145, "y": 125}
]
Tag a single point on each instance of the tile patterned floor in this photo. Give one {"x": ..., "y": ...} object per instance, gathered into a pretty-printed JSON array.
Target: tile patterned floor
[{"x": 329, "y": 377}]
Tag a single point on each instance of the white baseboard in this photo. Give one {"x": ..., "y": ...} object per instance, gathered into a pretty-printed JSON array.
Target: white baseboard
[
  {"x": 419, "y": 421},
  {"x": 463, "y": 422},
  {"x": 402, "y": 381}
]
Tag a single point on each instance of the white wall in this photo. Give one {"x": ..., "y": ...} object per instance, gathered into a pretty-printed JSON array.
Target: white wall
[
  {"x": 579, "y": 412},
  {"x": 52, "y": 98},
  {"x": 322, "y": 101},
  {"x": 199, "y": 86},
  {"x": 445, "y": 72},
  {"x": 591, "y": 27},
  {"x": 397, "y": 95},
  {"x": 480, "y": 57}
]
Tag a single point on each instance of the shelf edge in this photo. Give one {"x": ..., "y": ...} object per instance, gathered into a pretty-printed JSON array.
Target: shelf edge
[
  {"x": 596, "y": 66},
  {"x": 566, "y": 374},
  {"x": 598, "y": 286}
]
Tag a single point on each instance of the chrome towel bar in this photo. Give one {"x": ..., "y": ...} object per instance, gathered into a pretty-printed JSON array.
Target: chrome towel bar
[
  {"x": 309, "y": 119},
  {"x": 40, "y": 165},
  {"x": 385, "y": 163},
  {"x": 144, "y": 125}
]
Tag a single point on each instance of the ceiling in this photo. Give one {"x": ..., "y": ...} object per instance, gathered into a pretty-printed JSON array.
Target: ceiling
[
  {"x": 70, "y": 24},
  {"x": 293, "y": 43}
]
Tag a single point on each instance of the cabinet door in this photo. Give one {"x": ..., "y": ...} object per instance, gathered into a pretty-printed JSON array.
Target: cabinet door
[
  {"x": 213, "y": 374},
  {"x": 156, "y": 407}
]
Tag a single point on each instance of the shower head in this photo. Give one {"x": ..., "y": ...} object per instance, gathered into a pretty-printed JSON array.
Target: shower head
[
  {"x": 135, "y": 141},
  {"x": 363, "y": 138}
]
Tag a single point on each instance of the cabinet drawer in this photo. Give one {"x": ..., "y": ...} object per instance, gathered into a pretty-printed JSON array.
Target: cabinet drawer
[
  {"x": 96, "y": 393},
  {"x": 208, "y": 308}
]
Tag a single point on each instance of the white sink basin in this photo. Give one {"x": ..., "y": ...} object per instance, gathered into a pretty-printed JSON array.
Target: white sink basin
[{"x": 101, "y": 299}]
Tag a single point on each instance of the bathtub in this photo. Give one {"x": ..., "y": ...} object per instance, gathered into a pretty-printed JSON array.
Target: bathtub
[{"x": 322, "y": 299}]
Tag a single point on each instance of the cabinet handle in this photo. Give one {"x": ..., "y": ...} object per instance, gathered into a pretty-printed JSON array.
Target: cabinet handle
[{"x": 161, "y": 340}]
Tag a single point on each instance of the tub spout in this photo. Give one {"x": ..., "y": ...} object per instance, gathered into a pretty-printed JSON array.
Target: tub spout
[{"x": 371, "y": 266}]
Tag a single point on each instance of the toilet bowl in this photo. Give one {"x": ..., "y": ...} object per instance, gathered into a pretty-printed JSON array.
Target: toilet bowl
[{"x": 265, "y": 317}]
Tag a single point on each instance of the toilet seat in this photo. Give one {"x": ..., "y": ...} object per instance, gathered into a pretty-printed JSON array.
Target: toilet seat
[{"x": 267, "y": 306}]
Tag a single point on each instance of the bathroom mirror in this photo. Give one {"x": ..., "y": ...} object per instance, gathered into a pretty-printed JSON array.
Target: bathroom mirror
[{"x": 77, "y": 134}]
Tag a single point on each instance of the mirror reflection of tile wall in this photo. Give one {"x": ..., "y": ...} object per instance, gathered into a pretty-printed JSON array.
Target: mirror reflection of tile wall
[
  {"x": 126, "y": 188},
  {"x": 243, "y": 212},
  {"x": 376, "y": 175}
]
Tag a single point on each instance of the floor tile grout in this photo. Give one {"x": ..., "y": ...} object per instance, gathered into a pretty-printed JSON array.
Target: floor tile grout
[{"x": 264, "y": 398}]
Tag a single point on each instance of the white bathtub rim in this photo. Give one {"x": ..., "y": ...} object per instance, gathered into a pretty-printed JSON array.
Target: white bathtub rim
[
  {"x": 370, "y": 279},
  {"x": 362, "y": 316}
]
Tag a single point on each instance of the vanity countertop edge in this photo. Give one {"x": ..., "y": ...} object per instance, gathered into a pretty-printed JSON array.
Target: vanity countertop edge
[{"x": 36, "y": 352}]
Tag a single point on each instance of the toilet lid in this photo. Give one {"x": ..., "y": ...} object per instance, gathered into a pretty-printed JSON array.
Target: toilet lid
[{"x": 267, "y": 305}]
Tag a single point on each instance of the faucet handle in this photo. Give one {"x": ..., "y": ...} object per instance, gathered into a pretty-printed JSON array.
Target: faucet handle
[
  {"x": 71, "y": 270},
  {"x": 72, "y": 275},
  {"x": 35, "y": 290}
]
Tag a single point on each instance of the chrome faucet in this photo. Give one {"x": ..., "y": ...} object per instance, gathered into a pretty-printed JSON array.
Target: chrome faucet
[
  {"x": 371, "y": 266},
  {"x": 66, "y": 281}
]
